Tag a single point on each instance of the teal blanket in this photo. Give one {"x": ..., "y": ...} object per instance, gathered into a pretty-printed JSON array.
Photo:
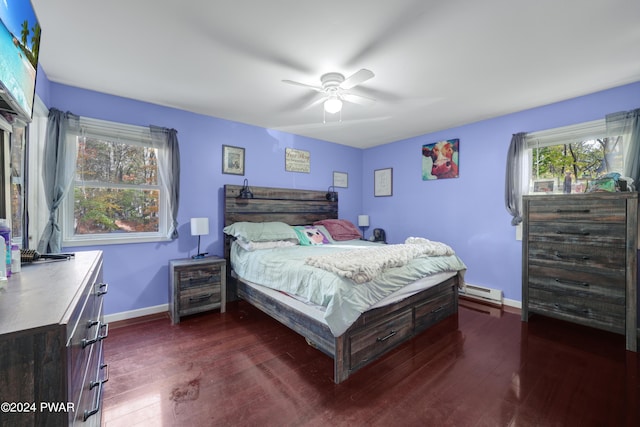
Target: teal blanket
[{"x": 344, "y": 300}]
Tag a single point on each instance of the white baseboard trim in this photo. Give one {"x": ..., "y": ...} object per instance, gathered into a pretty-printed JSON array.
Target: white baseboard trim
[
  {"x": 512, "y": 303},
  {"x": 132, "y": 314}
]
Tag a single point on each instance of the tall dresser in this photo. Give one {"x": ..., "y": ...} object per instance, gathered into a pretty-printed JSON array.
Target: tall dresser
[
  {"x": 52, "y": 368},
  {"x": 580, "y": 260}
]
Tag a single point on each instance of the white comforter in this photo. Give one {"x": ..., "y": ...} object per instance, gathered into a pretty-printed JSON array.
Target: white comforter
[{"x": 364, "y": 264}]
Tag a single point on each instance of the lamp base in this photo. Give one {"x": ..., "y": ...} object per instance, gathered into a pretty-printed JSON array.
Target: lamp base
[
  {"x": 197, "y": 256},
  {"x": 362, "y": 228}
]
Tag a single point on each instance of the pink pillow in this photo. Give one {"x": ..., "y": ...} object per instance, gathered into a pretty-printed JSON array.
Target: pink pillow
[{"x": 340, "y": 229}]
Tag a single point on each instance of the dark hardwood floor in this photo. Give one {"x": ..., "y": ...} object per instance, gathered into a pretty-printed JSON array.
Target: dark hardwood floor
[{"x": 242, "y": 368}]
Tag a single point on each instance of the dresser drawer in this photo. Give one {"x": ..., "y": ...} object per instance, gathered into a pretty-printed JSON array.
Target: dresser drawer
[
  {"x": 579, "y": 308},
  {"x": 610, "y": 210},
  {"x": 434, "y": 310},
  {"x": 591, "y": 233},
  {"x": 367, "y": 344},
  {"x": 574, "y": 256},
  {"x": 603, "y": 284},
  {"x": 199, "y": 299},
  {"x": 199, "y": 276}
]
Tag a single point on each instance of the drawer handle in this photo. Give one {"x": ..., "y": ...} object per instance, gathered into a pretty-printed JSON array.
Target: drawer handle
[
  {"x": 572, "y": 282},
  {"x": 582, "y": 257},
  {"x": 573, "y": 233},
  {"x": 200, "y": 298},
  {"x": 573, "y": 210},
  {"x": 392, "y": 333},
  {"x": 97, "y": 382},
  {"x": 102, "y": 286},
  {"x": 438, "y": 309},
  {"x": 97, "y": 337},
  {"x": 96, "y": 408}
]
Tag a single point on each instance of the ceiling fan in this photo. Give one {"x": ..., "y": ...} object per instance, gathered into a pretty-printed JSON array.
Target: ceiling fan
[{"x": 335, "y": 89}]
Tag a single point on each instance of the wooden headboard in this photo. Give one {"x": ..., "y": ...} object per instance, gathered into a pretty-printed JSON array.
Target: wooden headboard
[{"x": 291, "y": 206}]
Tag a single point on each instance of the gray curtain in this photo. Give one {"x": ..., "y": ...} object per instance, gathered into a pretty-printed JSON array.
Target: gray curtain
[
  {"x": 624, "y": 127},
  {"x": 513, "y": 179},
  {"x": 166, "y": 140},
  {"x": 59, "y": 167}
]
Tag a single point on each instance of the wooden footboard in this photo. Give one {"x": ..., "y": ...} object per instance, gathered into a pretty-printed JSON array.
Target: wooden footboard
[{"x": 374, "y": 334}]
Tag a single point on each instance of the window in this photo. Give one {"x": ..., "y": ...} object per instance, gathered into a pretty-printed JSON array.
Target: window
[
  {"x": 116, "y": 196},
  {"x": 563, "y": 160}
]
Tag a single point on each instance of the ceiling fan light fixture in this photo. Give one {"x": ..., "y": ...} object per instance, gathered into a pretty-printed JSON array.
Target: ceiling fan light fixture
[{"x": 332, "y": 105}]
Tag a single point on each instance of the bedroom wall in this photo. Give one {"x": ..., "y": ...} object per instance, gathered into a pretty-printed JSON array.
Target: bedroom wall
[
  {"x": 468, "y": 212},
  {"x": 138, "y": 273}
]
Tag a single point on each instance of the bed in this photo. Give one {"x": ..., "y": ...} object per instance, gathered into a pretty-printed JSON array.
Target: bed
[{"x": 373, "y": 333}]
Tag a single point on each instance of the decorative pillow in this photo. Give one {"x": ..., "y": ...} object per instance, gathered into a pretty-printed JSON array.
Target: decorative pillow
[
  {"x": 260, "y": 231},
  {"x": 340, "y": 229},
  {"x": 309, "y": 235}
]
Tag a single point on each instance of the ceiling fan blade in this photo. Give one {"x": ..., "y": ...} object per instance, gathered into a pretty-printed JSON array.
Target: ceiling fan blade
[
  {"x": 357, "y": 99},
  {"x": 318, "y": 100},
  {"x": 357, "y": 78},
  {"x": 316, "y": 88}
]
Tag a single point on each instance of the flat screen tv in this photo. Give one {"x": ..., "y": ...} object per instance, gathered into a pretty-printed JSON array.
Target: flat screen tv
[{"x": 19, "y": 47}]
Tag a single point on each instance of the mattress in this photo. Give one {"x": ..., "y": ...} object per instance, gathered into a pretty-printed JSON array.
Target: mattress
[{"x": 341, "y": 300}]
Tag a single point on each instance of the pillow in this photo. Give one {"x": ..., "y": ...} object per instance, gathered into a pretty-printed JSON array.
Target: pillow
[
  {"x": 310, "y": 235},
  {"x": 340, "y": 229},
  {"x": 260, "y": 231}
]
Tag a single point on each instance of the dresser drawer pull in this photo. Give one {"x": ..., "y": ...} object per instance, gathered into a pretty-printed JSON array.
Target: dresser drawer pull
[
  {"x": 573, "y": 210},
  {"x": 573, "y": 233},
  {"x": 104, "y": 288},
  {"x": 572, "y": 282},
  {"x": 97, "y": 337},
  {"x": 383, "y": 339},
  {"x": 96, "y": 408},
  {"x": 200, "y": 298},
  {"x": 582, "y": 257},
  {"x": 98, "y": 381}
]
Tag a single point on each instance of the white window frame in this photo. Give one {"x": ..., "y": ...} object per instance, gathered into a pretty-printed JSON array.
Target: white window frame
[
  {"x": 595, "y": 129},
  {"x": 121, "y": 133}
]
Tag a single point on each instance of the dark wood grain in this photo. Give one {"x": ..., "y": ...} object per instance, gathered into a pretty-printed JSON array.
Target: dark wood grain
[{"x": 243, "y": 368}]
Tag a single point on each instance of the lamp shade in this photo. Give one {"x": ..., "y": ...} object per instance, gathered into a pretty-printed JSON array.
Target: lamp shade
[
  {"x": 363, "y": 220},
  {"x": 199, "y": 226}
]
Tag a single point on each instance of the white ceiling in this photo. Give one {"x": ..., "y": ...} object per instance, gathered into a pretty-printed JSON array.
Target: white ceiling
[{"x": 437, "y": 64}]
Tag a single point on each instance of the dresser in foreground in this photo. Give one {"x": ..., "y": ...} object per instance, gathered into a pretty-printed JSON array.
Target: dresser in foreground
[
  {"x": 580, "y": 260},
  {"x": 52, "y": 369}
]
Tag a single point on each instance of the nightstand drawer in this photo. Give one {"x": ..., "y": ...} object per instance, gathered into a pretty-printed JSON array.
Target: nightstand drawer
[
  {"x": 194, "y": 277},
  {"x": 195, "y": 300}
]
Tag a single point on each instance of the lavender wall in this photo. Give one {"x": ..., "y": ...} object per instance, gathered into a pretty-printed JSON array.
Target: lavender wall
[
  {"x": 468, "y": 212},
  {"x": 138, "y": 273}
]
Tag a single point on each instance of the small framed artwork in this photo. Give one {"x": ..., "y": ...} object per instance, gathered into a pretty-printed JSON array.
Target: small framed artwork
[
  {"x": 440, "y": 159},
  {"x": 383, "y": 182},
  {"x": 544, "y": 186},
  {"x": 232, "y": 160},
  {"x": 340, "y": 179},
  {"x": 297, "y": 160}
]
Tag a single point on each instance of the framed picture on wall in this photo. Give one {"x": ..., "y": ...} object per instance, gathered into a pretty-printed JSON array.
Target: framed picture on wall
[
  {"x": 340, "y": 179},
  {"x": 383, "y": 182},
  {"x": 232, "y": 160}
]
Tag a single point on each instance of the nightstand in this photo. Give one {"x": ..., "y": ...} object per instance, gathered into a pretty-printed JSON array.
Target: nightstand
[{"x": 196, "y": 285}]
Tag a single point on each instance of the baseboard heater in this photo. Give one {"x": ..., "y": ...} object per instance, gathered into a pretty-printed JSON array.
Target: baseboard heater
[{"x": 482, "y": 294}]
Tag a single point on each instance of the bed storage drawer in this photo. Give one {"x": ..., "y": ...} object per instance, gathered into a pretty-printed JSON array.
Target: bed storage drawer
[
  {"x": 366, "y": 344},
  {"x": 434, "y": 310}
]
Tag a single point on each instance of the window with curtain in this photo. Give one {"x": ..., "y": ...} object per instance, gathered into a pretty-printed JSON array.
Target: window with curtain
[
  {"x": 116, "y": 196},
  {"x": 564, "y": 160}
]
